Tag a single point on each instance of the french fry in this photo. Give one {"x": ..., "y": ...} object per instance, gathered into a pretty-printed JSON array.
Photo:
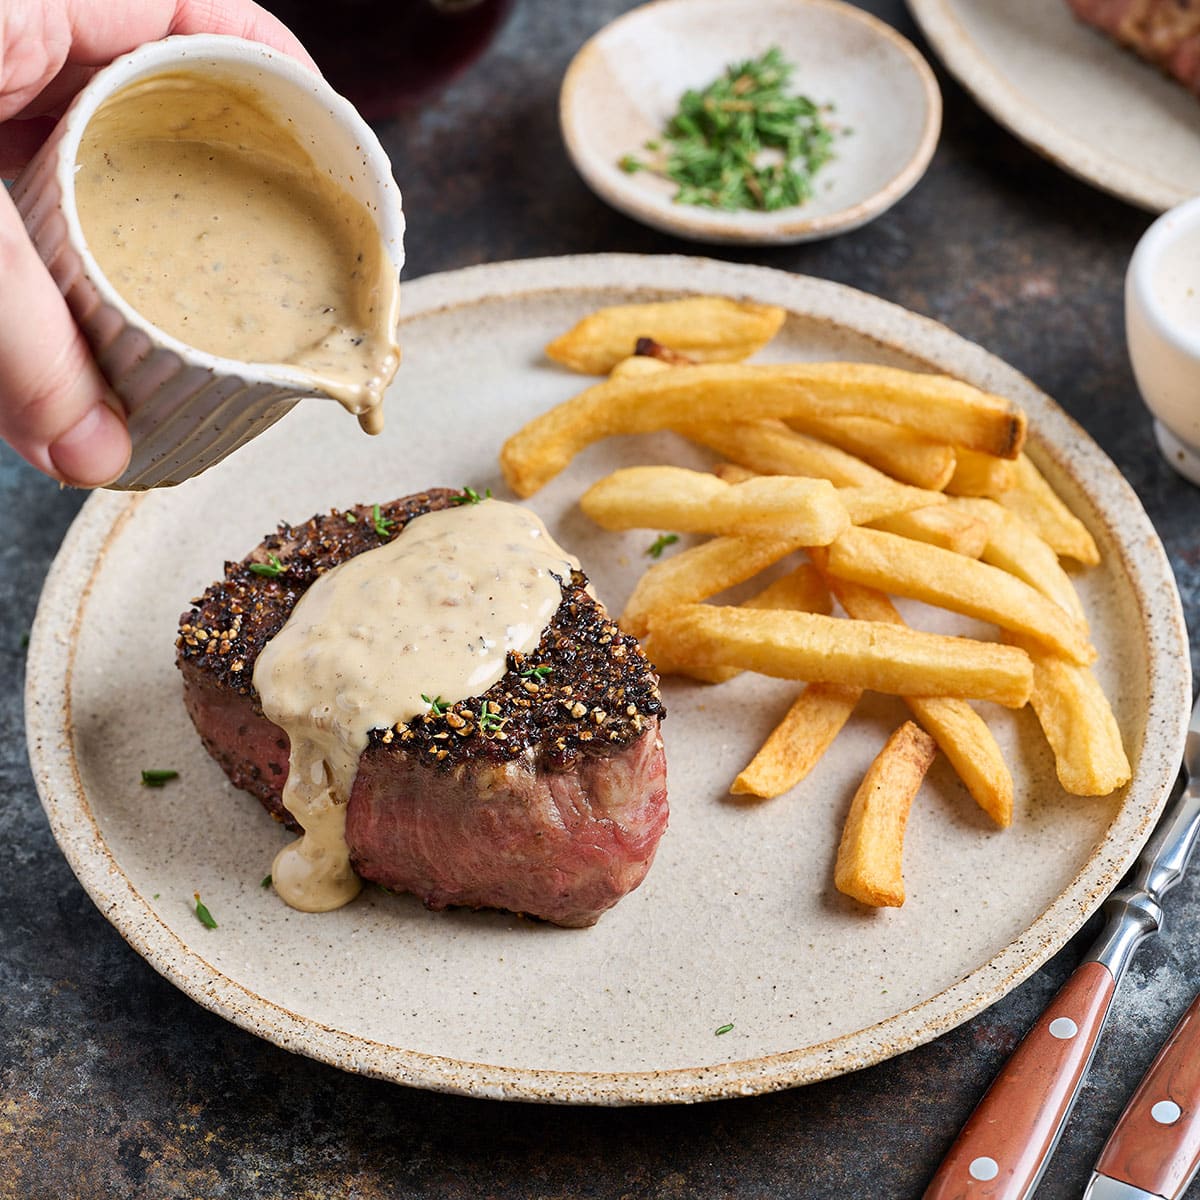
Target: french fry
[
  {"x": 1015, "y": 548},
  {"x": 863, "y": 654},
  {"x": 975, "y": 589},
  {"x": 870, "y": 857},
  {"x": 961, "y": 733},
  {"x": 980, "y": 475},
  {"x": 808, "y": 511},
  {"x": 636, "y": 364},
  {"x": 891, "y": 449},
  {"x": 710, "y": 328},
  {"x": 798, "y": 741},
  {"x": 934, "y": 405},
  {"x": 948, "y": 528},
  {"x": 802, "y": 589},
  {"x": 1079, "y": 724},
  {"x": 697, "y": 573},
  {"x": 1036, "y": 503}
]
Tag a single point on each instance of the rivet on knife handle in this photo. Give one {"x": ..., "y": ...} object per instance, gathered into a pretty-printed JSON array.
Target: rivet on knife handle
[
  {"x": 1002, "y": 1149},
  {"x": 1156, "y": 1143}
]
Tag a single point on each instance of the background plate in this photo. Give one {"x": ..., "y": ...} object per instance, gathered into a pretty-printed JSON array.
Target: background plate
[
  {"x": 738, "y": 921},
  {"x": 1076, "y": 97}
]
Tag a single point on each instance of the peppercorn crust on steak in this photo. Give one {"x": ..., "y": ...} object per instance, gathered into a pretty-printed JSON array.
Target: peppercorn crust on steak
[{"x": 554, "y": 808}]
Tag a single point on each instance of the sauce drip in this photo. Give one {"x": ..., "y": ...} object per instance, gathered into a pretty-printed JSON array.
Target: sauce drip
[
  {"x": 210, "y": 219},
  {"x": 433, "y": 613}
]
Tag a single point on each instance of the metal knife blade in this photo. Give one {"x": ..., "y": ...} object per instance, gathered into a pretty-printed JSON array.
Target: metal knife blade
[{"x": 1102, "y": 1188}]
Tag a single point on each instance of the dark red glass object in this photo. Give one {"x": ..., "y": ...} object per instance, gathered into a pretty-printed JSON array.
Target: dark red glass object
[{"x": 386, "y": 54}]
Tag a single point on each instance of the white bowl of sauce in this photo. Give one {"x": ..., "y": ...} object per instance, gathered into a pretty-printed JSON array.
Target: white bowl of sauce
[
  {"x": 1162, "y": 324},
  {"x": 227, "y": 232}
]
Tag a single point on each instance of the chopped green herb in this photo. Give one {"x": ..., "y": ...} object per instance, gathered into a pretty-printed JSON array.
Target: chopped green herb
[
  {"x": 383, "y": 525},
  {"x": 746, "y": 141},
  {"x": 536, "y": 672},
  {"x": 437, "y": 705},
  {"x": 351, "y": 518},
  {"x": 660, "y": 543},
  {"x": 203, "y": 915},
  {"x": 270, "y": 569},
  {"x": 490, "y": 721},
  {"x": 156, "y": 778},
  {"x": 724, "y": 1029},
  {"x": 155, "y": 896},
  {"x": 266, "y": 882},
  {"x": 471, "y": 496}
]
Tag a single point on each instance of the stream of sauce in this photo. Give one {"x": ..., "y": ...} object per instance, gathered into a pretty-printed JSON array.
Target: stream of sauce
[
  {"x": 211, "y": 220},
  {"x": 431, "y": 614}
]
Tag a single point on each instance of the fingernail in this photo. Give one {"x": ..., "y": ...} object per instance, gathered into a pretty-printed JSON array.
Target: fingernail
[{"x": 95, "y": 451}]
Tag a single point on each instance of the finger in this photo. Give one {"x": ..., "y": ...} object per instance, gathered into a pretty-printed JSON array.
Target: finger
[
  {"x": 55, "y": 408},
  {"x": 53, "y": 99},
  {"x": 99, "y": 32}
]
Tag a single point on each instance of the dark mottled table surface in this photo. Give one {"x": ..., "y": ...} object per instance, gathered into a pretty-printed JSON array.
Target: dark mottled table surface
[{"x": 112, "y": 1083}]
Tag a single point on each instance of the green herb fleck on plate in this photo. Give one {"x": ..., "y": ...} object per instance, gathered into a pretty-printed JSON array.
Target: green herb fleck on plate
[
  {"x": 202, "y": 914},
  {"x": 724, "y": 1029},
  {"x": 266, "y": 882},
  {"x": 156, "y": 778},
  {"x": 660, "y": 543}
]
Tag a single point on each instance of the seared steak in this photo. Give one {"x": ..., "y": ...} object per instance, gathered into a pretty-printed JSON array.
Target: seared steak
[
  {"x": 1165, "y": 32},
  {"x": 545, "y": 796}
]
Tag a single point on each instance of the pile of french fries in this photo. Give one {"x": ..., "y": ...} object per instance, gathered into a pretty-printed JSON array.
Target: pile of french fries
[{"x": 872, "y": 482}]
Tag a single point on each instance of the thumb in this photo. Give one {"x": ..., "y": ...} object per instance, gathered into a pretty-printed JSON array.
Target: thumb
[{"x": 56, "y": 410}]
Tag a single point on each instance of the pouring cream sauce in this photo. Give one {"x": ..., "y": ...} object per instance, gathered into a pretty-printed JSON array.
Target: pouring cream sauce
[
  {"x": 431, "y": 614},
  {"x": 213, "y": 222}
]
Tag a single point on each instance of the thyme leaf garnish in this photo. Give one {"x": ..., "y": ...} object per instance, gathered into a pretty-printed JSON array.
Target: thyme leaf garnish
[
  {"x": 660, "y": 543},
  {"x": 383, "y": 525},
  {"x": 437, "y": 705},
  {"x": 471, "y": 496},
  {"x": 156, "y": 778},
  {"x": 724, "y": 1029},
  {"x": 538, "y": 673},
  {"x": 271, "y": 569},
  {"x": 202, "y": 914}
]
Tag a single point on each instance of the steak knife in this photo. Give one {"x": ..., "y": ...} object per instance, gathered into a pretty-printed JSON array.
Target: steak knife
[
  {"x": 1154, "y": 1149},
  {"x": 1006, "y": 1143}
]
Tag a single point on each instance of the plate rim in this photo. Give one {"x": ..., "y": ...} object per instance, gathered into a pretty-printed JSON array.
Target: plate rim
[
  {"x": 53, "y": 642},
  {"x": 714, "y": 226},
  {"x": 974, "y": 69}
]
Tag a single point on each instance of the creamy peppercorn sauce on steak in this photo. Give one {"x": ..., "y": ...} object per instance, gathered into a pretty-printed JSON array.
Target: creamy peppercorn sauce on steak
[{"x": 545, "y": 795}]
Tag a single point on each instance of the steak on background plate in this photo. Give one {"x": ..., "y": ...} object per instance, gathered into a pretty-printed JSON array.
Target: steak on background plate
[
  {"x": 557, "y": 819},
  {"x": 1164, "y": 32}
]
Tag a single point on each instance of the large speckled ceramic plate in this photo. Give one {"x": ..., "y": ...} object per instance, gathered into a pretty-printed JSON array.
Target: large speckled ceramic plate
[
  {"x": 1072, "y": 94},
  {"x": 738, "y": 922}
]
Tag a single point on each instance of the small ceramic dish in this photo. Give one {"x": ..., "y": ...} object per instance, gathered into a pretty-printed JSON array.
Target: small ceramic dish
[
  {"x": 188, "y": 409},
  {"x": 1162, "y": 324},
  {"x": 625, "y": 83}
]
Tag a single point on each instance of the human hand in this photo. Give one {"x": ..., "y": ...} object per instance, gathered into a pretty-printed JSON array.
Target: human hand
[{"x": 56, "y": 410}]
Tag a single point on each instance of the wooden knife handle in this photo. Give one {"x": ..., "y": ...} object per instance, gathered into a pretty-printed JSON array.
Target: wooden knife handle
[
  {"x": 1004, "y": 1145},
  {"x": 1156, "y": 1143}
]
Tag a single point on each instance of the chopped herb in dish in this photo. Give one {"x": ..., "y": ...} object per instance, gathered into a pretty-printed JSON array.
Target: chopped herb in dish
[
  {"x": 660, "y": 543},
  {"x": 746, "y": 141},
  {"x": 538, "y": 673},
  {"x": 202, "y": 914},
  {"x": 156, "y": 778},
  {"x": 437, "y": 705},
  {"x": 383, "y": 525}
]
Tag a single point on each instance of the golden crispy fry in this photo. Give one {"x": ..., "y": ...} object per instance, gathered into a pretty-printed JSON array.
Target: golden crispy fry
[
  {"x": 733, "y": 472},
  {"x": 871, "y": 854},
  {"x": 923, "y": 572},
  {"x": 961, "y": 733},
  {"x": 1036, "y": 503},
  {"x": 779, "y": 506},
  {"x": 710, "y": 328},
  {"x": 934, "y": 405},
  {"x": 892, "y": 449},
  {"x": 862, "y": 654},
  {"x": 1078, "y": 723},
  {"x": 1015, "y": 548},
  {"x": 798, "y": 741},
  {"x": 981, "y": 475},
  {"x": 637, "y": 364},
  {"x": 697, "y": 573},
  {"x": 802, "y": 589},
  {"x": 947, "y": 527}
]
